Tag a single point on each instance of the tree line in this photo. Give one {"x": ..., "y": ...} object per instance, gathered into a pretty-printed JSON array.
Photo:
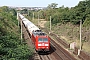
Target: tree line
[{"x": 65, "y": 14}]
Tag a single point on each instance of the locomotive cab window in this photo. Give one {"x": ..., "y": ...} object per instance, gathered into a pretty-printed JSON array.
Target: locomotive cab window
[
  {"x": 42, "y": 40},
  {"x": 45, "y": 39}
]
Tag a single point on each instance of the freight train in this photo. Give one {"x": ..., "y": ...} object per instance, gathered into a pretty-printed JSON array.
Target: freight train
[{"x": 40, "y": 39}]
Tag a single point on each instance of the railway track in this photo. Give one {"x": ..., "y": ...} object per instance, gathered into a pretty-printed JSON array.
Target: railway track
[
  {"x": 45, "y": 57},
  {"x": 60, "y": 41},
  {"x": 41, "y": 56},
  {"x": 63, "y": 54},
  {"x": 36, "y": 56},
  {"x": 55, "y": 52}
]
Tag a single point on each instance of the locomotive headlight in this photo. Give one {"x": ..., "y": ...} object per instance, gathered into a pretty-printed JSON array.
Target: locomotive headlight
[
  {"x": 46, "y": 44},
  {"x": 39, "y": 44},
  {"x": 47, "y": 47}
]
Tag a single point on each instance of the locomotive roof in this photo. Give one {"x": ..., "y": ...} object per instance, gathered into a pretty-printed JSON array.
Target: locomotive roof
[{"x": 39, "y": 33}]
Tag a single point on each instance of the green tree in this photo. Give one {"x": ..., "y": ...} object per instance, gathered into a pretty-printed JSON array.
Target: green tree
[
  {"x": 52, "y": 6},
  {"x": 13, "y": 11},
  {"x": 5, "y": 9}
]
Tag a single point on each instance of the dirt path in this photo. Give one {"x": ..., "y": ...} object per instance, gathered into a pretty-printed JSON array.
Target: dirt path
[{"x": 42, "y": 22}]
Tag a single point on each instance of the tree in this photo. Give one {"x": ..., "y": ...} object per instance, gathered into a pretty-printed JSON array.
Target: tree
[
  {"x": 52, "y": 6},
  {"x": 88, "y": 3},
  {"x": 5, "y": 9},
  {"x": 13, "y": 11}
]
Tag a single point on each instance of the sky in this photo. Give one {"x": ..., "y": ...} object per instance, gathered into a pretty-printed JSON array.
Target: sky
[{"x": 38, "y": 3}]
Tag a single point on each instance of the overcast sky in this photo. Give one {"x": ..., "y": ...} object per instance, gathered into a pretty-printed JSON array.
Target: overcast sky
[{"x": 38, "y": 3}]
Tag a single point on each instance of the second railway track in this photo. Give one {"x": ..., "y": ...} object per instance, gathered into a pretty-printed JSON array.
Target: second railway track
[{"x": 62, "y": 53}]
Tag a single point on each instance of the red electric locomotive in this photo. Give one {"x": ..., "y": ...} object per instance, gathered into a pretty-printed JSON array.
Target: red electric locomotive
[{"x": 41, "y": 41}]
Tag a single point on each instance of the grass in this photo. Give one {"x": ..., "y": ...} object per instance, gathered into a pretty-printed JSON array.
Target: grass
[
  {"x": 71, "y": 33},
  {"x": 86, "y": 47}
]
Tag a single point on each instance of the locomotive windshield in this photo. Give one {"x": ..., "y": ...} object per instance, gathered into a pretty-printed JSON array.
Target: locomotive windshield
[
  {"x": 45, "y": 39},
  {"x": 42, "y": 40}
]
